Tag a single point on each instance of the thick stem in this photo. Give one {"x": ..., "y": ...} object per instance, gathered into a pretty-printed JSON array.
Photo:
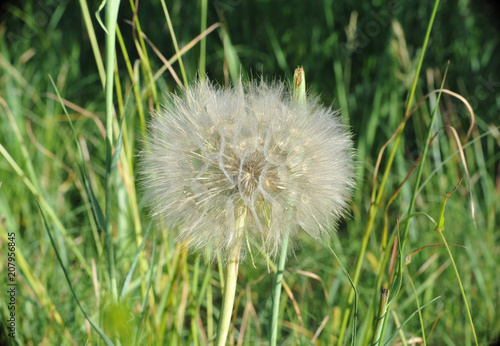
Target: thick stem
[
  {"x": 229, "y": 292},
  {"x": 273, "y": 336},
  {"x": 382, "y": 314},
  {"x": 111, "y": 19}
]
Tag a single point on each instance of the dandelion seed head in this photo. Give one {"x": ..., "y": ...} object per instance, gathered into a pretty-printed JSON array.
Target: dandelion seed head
[{"x": 246, "y": 164}]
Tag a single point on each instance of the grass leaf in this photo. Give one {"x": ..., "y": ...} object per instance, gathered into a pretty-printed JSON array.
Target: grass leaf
[
  {"x": 388, "y": 342},
  {"x": 106, "y": 339},
  {"x": 128, "y": 278},
  {"x": 96, "y": 207}
]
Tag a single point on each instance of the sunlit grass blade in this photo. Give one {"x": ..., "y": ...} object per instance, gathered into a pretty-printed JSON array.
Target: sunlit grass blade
[
  {"x": 378, "y": 193},
  {"x": 168, "y": 64},
  {"x": 174, "y": 40},
  {"x": 36, "y": 284},
  {"x": 93, "y": 39},
  {"x": 45, "y": 204},
  {"x": 106, "y": 339},
  {"x": 24, "y": 150},
  {"x": 278, "y": 51},
  {"x": 135, "y": 83},
  {"x": 398, "y": 278},
  {"x": 98, "y": 16},
  {"x": 355, "y": 304},
  {"x": 299, "y": 96},
  {"x": 422, "y": 328},
  {"x": 384, "y": 296},
  {"x": 232, "y": 64},
  {"x": 440, "y": 230},
  {"x": 361, "y": 61},
  {"x": 112, "y": 7},
  {"x": 119, "y": 145},
  {"x": 203, "y": 42},
  {"x": 128, "y": 278},
  {"x": 388, "y": 342},
  {"x": 96, "y": 207},
  {"x": 421, "y": 166},
  {"x": 148, "y": 286},
  {"x": 143, "y": 54}
]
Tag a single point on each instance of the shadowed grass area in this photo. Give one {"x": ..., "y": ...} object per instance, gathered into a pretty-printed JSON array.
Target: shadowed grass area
[{"x": 359, "y": 57}]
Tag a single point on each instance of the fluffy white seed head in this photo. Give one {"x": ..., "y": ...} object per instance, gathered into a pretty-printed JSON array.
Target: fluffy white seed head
[{"x": 246, "y": 164}]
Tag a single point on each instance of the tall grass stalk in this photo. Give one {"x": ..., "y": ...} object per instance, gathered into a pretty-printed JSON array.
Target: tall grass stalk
[
  {"x": 440, "y": 230},
  {"x": 145, "y": 62},
  {"x": 398, "y": 277},
  {"x": 174, "y": 40},
  {"x": 112, "y": 7},
  {"x": 52, "y": 152},
  {"x": 106, "y": 339},
  {"x": 299, "y": 95},
  {"x": 384, "y": 297},
  {"x": 377, "y": 194},
  {"x": 93, "y": 40},
  {"x": 203, "y": 43}
]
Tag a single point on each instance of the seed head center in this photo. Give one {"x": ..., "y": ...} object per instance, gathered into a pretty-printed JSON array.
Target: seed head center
[{"x": 250, "y": 175}]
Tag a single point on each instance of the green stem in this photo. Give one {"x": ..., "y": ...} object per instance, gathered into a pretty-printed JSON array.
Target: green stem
[
  {"x": 419, "y": 310},
  {"x": 229, "y": 292},
  {"x": 299, "y": 96},
  {"x": 382, "y": 314},
  {"x": 460, "y": 284},
  {"x": 357, "y": 272},
  {"x": 174, "y": 40},
  {"x": 377, "y": 195},
  {"x": 203, "y": 42},
  {"x": 111, "y": 19},
  {"x": 273, "y": 336}
]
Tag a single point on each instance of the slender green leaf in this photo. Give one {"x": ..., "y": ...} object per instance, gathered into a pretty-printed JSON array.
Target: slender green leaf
[
  {"x": 106, "y": 339},
  {"x": 96, "y": 207},
  {"x": 128, "y": 278},
  {"x": 388, "y": 342}
]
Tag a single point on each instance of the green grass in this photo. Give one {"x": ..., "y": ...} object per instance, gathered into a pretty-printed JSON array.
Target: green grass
[{"x": 70, "y": 196}]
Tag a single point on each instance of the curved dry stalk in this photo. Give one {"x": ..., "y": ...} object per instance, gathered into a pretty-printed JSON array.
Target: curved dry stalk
[
  {"x": 458, "y": 96},
  {"x": 71, "y": 173},
  {"x": 164, "y": 60},
  {"x": 464, "y": 163},
  {"x": 82, "y": 111},
  {"x": 407, "y": 116},
  {"x": 184, "y": 49}
]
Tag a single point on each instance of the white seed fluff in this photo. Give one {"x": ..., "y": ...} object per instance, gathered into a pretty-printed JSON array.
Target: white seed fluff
[{"x": 246, "y": 164}]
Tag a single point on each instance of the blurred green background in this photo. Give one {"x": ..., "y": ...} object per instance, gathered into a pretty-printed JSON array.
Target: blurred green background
[{"x": 359, "y": 56}]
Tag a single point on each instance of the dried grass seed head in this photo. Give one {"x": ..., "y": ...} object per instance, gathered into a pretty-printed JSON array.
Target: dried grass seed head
[{"x": 246, "y": 162}]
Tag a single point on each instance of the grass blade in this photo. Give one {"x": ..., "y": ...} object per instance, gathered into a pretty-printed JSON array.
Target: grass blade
[
  {"x": 143, "y": 305},
  {"x": 440, "y": 229},
  {"x": 119, "y": 145},
  {"x": 106, "y": 339},
  {"x": 174, "y": 40},
  {"x": 93, "y": 39},
  {"x": 377, "y": 194},
  {"x": 96, "y": 207},
  {"x": 112, "y": 7},
  {"x": 128, "y": 278},
  {"x": 203, "y": 43},
  {"x": 388, "y": 342}
]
